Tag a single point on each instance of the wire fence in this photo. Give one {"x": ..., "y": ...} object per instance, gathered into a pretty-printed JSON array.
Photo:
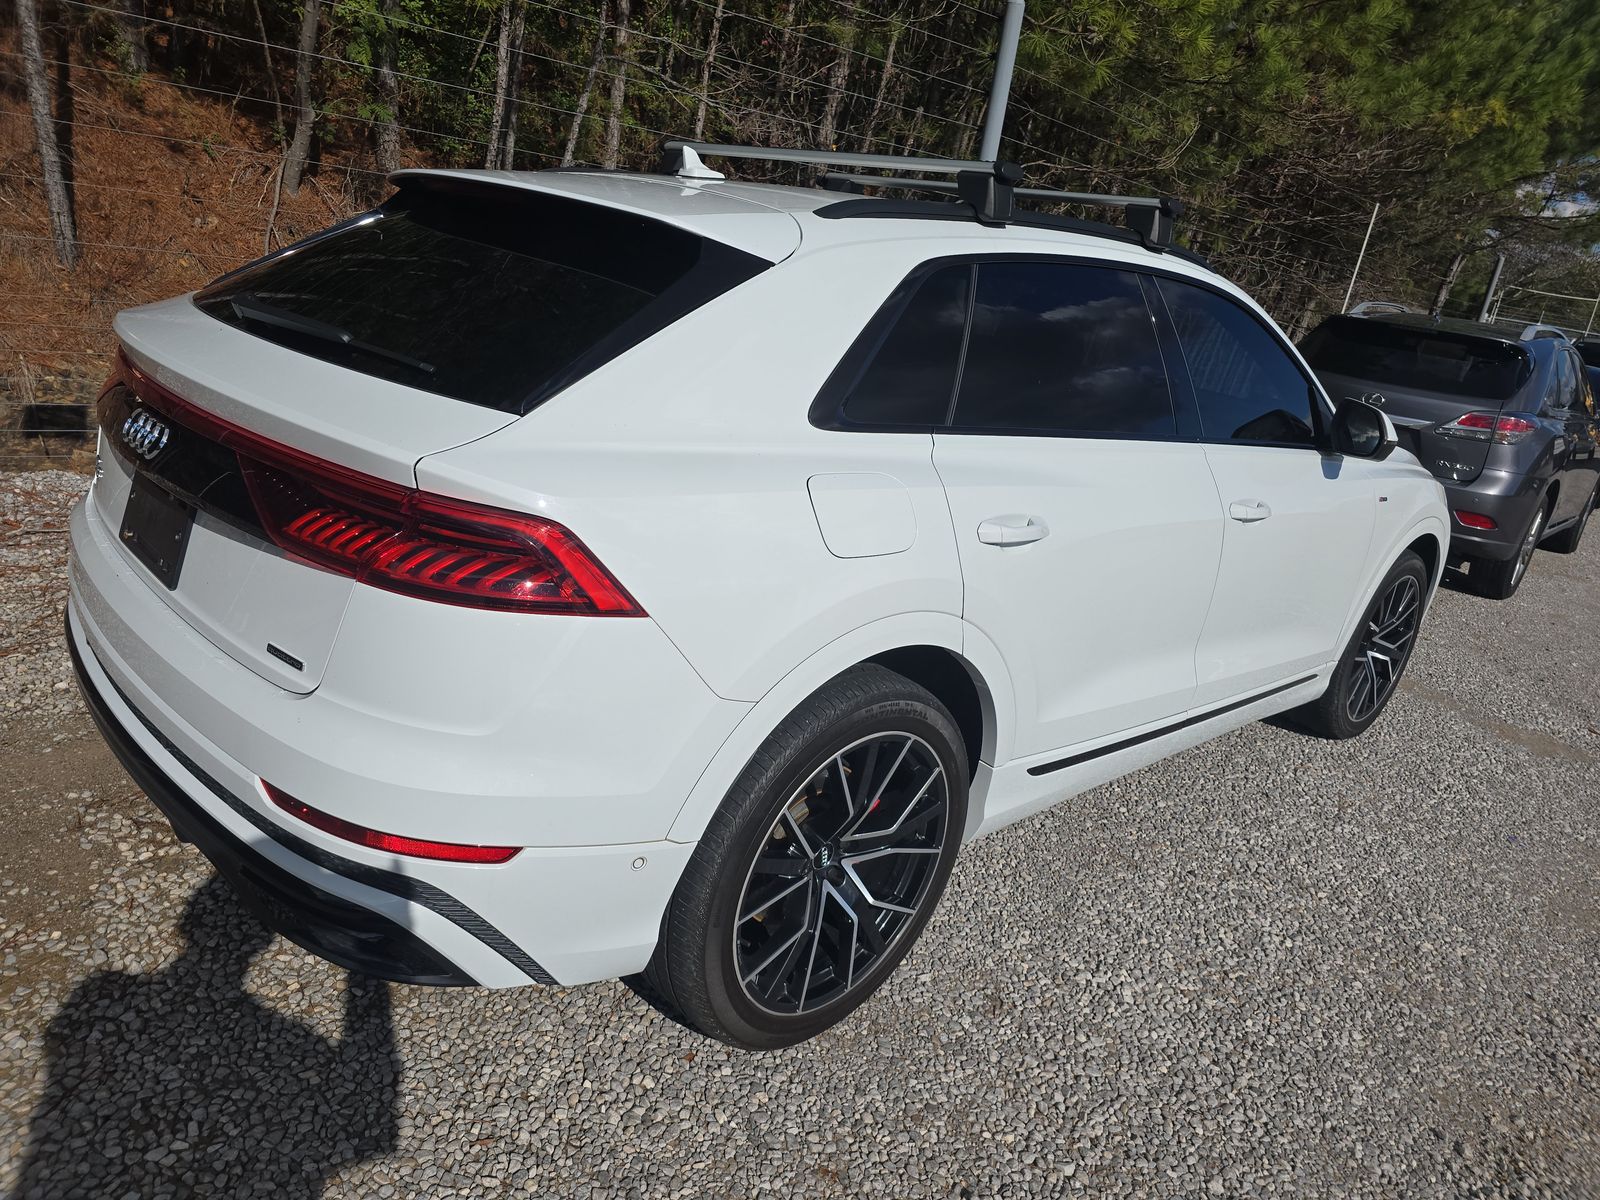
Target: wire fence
[{"x": 1298, "y": 266}]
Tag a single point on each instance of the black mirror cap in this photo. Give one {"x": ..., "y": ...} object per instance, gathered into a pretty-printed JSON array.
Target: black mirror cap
[{"x": 1359, "y": 431}]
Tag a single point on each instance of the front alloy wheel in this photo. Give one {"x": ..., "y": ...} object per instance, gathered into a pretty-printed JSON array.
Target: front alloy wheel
[
  {"x": 1384, "y": 647},
  {"x": 819, "y": 870},
  {"x": 1375, "y": 657}
]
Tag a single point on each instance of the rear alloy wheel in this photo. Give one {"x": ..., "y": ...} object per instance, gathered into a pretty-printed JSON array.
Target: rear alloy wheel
[
  {"x": 1369, "y": 671},
  {"x": 821, "y": 867},
  {"x": 839, "y": 876},
  {"x": 1499, "y": 580},
  {"x": 1569, "y": 538}
]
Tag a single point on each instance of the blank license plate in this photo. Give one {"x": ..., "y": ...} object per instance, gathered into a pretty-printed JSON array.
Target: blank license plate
[{"x": 155, "y": 526}]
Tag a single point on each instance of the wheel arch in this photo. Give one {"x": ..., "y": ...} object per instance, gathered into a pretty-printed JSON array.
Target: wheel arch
[
  {"x": 1431, "y": 550},
  {"x": 939, "y": 651}
]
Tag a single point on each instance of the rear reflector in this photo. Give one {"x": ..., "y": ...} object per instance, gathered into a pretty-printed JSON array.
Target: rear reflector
[
  {"x": 1474, "y": 520},
  {"x": 393, "y": 843},
  {"x": 402, "y": 539}
]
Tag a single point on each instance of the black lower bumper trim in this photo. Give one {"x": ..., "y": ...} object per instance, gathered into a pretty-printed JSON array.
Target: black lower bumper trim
[{"x": 328, "y": 925}]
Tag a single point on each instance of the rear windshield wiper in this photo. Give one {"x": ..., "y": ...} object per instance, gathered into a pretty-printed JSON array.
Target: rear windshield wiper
[{"x": 249, "y": 308}]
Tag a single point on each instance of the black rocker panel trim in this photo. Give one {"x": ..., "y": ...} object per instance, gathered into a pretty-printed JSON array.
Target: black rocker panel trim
[{"x": 1073, "y": 760}]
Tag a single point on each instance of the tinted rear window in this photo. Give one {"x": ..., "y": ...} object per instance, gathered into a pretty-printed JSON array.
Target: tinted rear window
[
  {"x": 492, "y": 295},
  {"x": 1428, "y": 360},
  {"x": 1590, "y": 352}
]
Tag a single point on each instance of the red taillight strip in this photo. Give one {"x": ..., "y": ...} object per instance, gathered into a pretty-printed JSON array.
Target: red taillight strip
[
  {"x": 393, "y": 843},
  {"x": 402, "y": 539}
]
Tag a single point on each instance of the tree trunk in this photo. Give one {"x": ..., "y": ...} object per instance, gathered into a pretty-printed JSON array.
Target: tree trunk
[
  {"x": 883, "y": 90},
  {"x": 502, "y": 77},
  {"x": 272, "y": 75},
  {"x": 788, "y": 57},
  {"x": 619, "y": 83},
  {"x": 294, "y": 161},
  {"x": 389, "y": 93},
  {"x": 836, "y": 81},
  {"x": 705, "y": 72},
  {"x": 514, "y": 86},
  {"x": 62, "y": 227},
  {"x": 575, "y": 130},
  {"x": 130, "y": 26}
]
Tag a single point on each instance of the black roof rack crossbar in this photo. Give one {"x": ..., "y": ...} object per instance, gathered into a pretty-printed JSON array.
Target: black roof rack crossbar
[
  {"x": 1151, "y": 217},
  {"x": 990, "y": 188}
]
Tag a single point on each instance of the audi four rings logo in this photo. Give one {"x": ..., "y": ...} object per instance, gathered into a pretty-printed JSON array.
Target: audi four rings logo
[{"x": 144, "y": 434}]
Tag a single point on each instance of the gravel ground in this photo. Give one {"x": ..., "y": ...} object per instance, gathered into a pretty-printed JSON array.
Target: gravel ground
[{"x": 1269, "y": 966}]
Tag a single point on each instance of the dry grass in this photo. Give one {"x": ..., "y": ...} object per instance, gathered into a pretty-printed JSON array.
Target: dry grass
[{"x": 171, "y": 190}]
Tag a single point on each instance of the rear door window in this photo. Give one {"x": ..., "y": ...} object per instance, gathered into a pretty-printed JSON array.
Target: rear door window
[
  {"x": 1063, "y": 348},
  {"x": 1247, "y": 386},
  {"x": 492, "y": 295}
]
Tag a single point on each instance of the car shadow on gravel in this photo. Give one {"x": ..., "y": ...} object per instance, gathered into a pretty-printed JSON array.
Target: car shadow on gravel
[{"x": 181, "y": 1082}]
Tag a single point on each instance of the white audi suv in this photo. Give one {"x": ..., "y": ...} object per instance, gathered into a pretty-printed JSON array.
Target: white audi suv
[{"x": 551, "y": 577}]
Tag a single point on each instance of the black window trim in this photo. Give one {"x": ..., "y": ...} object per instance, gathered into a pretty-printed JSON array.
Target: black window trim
[{"x": 827, "y": 409}]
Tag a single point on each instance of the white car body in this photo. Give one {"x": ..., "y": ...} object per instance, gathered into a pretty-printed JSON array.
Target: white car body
[{"x": 769, "y": 554}]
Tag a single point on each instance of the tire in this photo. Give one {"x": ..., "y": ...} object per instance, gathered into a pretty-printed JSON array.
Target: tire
[
  {"x": 1362, "y": 684},
  {"x": 800, "y": 808},
  {"x": 1570, "y": 538},
  {"x": 1498, "y": 580}
]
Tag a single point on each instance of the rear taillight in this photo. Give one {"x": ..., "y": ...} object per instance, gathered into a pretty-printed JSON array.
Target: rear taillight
[
  {"x": 1489, "y": 427},
  {"x": 1474, "y": 520},
  {"x": 405, "y": 540},
  {"x": 393, "y": 843}
]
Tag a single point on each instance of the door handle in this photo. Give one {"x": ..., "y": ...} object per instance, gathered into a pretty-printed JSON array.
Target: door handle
[
  {"x": 1247, "y": 511},
  {"x": 1011, "y": 530}
]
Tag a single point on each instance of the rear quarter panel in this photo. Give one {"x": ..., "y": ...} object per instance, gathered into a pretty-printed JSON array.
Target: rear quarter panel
[{"x": 685, "y": 464}]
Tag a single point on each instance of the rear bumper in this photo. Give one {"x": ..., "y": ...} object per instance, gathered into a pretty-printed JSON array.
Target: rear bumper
[
  {"x": 327, "y": 924},
  {"x": 1509, "y": 499},
  {"x": 561, "y": 910}
]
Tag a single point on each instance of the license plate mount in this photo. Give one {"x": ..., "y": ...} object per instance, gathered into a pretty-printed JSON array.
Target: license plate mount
[{"x": 155, "y": 528}]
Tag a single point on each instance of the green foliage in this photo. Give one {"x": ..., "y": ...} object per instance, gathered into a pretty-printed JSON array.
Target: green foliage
[{"x": 1281, "y": 122}]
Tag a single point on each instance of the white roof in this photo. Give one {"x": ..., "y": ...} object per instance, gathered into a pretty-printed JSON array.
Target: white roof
[{"x": 771, "y": 220}]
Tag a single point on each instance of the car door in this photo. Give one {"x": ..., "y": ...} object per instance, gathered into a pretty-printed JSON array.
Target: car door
[
  {"x": 1085, "y": 515},
  {"x": 1297, "y": 525},
  {"x": 1569, "y": 404}
]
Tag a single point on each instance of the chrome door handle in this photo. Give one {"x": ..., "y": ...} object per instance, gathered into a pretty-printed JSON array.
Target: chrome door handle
[
  {"x": 1011, "y": 530},
  {"x": 1247, "y": 511}
]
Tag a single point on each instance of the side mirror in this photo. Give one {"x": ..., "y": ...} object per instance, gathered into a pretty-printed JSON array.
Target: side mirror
[{"x": 1362, "y": 431}]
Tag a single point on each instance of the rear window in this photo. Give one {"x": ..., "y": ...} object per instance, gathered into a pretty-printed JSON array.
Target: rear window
[
  {"x": 1590, "y": 352},
  {"x": 1429, "y": 360},
  {"x": 492, "y": 295}
]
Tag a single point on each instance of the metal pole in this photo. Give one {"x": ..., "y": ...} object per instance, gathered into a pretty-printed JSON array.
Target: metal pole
[
  {"x": 1589, "y": 328},
  {"x": 1349, "y": 291},
  {"x": 1000, "y": 90},
  {"x": 1494, "y": 282}
]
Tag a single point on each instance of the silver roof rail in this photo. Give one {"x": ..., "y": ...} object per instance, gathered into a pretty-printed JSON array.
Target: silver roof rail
[{"x": 991, "y": 188}]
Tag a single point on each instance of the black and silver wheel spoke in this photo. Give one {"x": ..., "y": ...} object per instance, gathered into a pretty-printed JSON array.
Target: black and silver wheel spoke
[
  {"x": 1383, "y": 650},
  {"x": 826, "y": 897}
]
